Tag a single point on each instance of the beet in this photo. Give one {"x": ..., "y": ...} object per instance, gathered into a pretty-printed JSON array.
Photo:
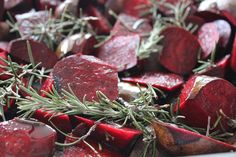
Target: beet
[
  {"x": 233, "y": 56},
  {"x": 229, "y": 16},
  {"x": 77, "y": 43},
  {"x": 122, "y": 139},
  {"x": 134, "y": 9},
  {"x": 164, "y": 81},
  {"x": 208, "y": 37},
  {"x": 180, "y": 50},
  {"x": 41, "y": 53},
  {"x": 4, "y": 30},
  {"x": 115, "y": 5},
  {"x": 27, "y": 22},
  {"x": 120, "y": 51},
  {"x": 4, "y": 45},
  {"x": 219, "y": 69},
  {"x": 101, "y": 26},
  {"x": 88, "y": 73},
  {"x": 205, "y": 96},
  {"x": 24, "y": 138},
  {"x": 180, "y": 142},
  {"x": 3, "y": 55},
  {"x": 195, "y": 20},
  {"x": 130, "y": 21}
]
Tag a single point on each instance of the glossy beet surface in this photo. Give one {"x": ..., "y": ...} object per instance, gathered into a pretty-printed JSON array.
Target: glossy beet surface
[
  {"x": 24, "y": 138},
  {"x": 205, "y": 96},
  {"x": 85, "y": 75},
  {"x": 114, "y": 50},
  {"x": 165, "y": 81},
  {"x": 180, "y": 142}
]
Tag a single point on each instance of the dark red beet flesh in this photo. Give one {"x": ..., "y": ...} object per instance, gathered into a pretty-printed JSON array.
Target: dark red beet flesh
[
  {"x": 179, "y": 141},
  {"x": 23, "y": 138},
  {"x": 164, "y": 81},
  {"x": 41, "y": 53},
  {"x": 180, "y": 50},
  {"x": 122, "y": 139},
  {"x": 85, "y": 75},
  {"x": 17, "y": 6},
  {"x": 204, "y": 96},
  {"x": 114, "y": 50},
  {"x": 1, "y": 9},
  {"x": 131, "y": 7},
  {"x": 131, "y": 22},
  {"x": 208, "y": 37},
  {"x": 233, "y": 56}
]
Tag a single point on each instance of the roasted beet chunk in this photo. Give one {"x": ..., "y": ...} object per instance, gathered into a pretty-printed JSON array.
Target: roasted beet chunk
[
  {"x": 24, "y": 138},
  {"x": 85, "y": 75},
  {"x": 41, "y": 53},
  {"x": 179, "y": 141},
  {"x": 180, "y": 50},
  {"x": 114, "y": 50},
  {"x": 206, "y": 96},
  {"x": 163, "y": 81}
]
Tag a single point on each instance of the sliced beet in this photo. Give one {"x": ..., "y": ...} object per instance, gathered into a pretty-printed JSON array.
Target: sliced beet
[
  {"x": 164, "y": 81},
  {"x": 180, "y": 50},
  {"x": 208, "y": 37},
  {"x": 133, "y": 7},
  {"x": 77, "y": 43},
  {"x": 233, "y": 56},
  {"x": 120, "y": 139},
  {"x": 180, "y": 142},
  {"x": 24, "y": 138},
  {"x": 229, "y": 16},
  {"x": 205, "y": 96},
  {"x": 17, "y": 6},
  {"x": 28, "y": 21},
  {"x": 101, "y": 26},
  {"x": 219, "y": 69},
  {"x": 129, "y": 24},
  {"x": 41, "y": 53},
  {"x": 114, "y": 50},
  {"x": 88, "y": 73}
]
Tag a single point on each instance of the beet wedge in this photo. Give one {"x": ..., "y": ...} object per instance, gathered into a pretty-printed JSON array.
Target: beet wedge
[
  {"x": 164, "y": 81},
  {"x": 114, "y": 50},
  {"x": 180, "y": 50},
  {"x": 121, "y": 139},
  {"x": 206, "y": 96},
  {"x": 40, "y": 52},
  {"x": 86, "y": 75},
  {"x": 233, "y": 56},
  {"x": 179, "y": 141},
  {"x": 26, "y": 138}
]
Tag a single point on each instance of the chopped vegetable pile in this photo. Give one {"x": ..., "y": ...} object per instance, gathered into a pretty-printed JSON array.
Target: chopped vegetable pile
[{"x": 117, "y": 78}]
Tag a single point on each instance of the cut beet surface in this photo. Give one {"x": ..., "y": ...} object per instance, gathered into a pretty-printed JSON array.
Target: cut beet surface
[
  {"x": 180, "y": 50},
  {"x": 41, "y": 53},
  {"x": 180, "y": 142},
  {"x": 27, "y": 22},
  {"x": 114, "y": 50},
  {"x": 233, "y": 56},
  {"x": 129, "y": 24},
  {"x": 206, "y": 96},
  {"x": 219, "y": 69},
  {"x": 24, "y": 138},
  {"x": 86, "y": 75},
  {"x": 164, "y": 81},
  {"x": 208, "y": 37},
  {"x": 132, "y": 7},
  {"x": 120, "y": 139}
]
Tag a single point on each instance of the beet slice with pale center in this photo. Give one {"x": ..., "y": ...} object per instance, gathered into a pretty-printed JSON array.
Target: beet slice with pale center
[
  {"x": 24, "y": 138},
  {"x": 40, "y": 52},
  {"x": 86, "y": 75},
  {"x": 180, "y": 50},
  {"x": 204, "y": 96},
  {"x": 179, "y": 141},
  {"x": 165, "y": 81},
  {"x": 120, "y": 51}
]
